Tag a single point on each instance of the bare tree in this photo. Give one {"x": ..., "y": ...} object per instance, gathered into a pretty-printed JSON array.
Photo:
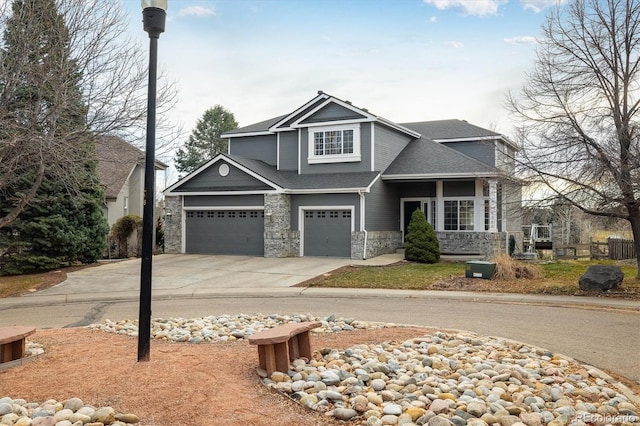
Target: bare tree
[
  {"x": 579, "y": 128},
  {"x": 100, "y": 76}
]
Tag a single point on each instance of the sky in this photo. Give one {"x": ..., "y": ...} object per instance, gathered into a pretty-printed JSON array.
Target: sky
[{"x": 404, "y": 60}]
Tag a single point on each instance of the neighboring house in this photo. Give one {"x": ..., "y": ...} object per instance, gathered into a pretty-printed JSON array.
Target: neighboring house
[
  {"x": 332, "y": 179},
  {"x": 121, "y": 172}
]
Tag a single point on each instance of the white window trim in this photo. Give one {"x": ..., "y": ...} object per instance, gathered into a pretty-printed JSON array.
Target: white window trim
[
  {"x": 336, "y": 158},
  {"x": 475, "y": 213}
]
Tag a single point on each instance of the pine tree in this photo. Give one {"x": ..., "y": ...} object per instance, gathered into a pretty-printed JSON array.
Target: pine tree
[
  {"x": 421, "y": 242},
  {"x": 60, "y": 225},
  {"x": 205, "y": 142}
]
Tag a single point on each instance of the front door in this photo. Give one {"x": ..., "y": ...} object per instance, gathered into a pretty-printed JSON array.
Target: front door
[
  {"x": 427, "y": 205},
  {"x": 409, "y": 208}
]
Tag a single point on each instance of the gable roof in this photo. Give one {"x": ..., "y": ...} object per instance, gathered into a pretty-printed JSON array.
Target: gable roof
[
  {"x": 116, "y": 160},
  {"x": 437, "y": 160},
  {"x": 286, "y": 181},
  {"x": 296, "y": 119}
]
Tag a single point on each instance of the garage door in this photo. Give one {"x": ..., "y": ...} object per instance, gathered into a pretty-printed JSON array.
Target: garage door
[
  {"x": 225, "y": 232},
  {"x": 327, "y": 233}
]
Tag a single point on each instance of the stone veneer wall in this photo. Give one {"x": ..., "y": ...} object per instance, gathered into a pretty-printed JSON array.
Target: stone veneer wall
[
  {"x": 486, "y": 244},
  {"x": 279, "y": 239},
  {"x": 173, "y": 227},
  {"x": 378, "y": 242}
]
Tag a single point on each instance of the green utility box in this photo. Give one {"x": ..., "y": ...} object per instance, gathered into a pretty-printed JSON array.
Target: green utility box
[{"x": 480, "y": 269}]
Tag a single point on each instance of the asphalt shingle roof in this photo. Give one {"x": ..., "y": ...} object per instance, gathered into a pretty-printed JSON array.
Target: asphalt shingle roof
[
  {"x": 423, "y": 157},
  {"x": 262, "y": 126},
  {"x": 116, "y": 160},
  {"x": 293, "y": 180},
  {"x": 449, "y": 129}
]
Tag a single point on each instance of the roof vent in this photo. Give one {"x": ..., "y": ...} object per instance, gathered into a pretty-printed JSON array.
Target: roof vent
[
  {"x": 364, "y": 109},
  {"x": 347, "y": 102},
  {"x": 320, "y": 92}
]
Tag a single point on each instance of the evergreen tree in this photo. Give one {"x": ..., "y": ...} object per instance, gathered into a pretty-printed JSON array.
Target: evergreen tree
[
  {"x": 421, "y": 242},
  {"x": 205, "y": 142},
  {"x": 60, "y": 225}
]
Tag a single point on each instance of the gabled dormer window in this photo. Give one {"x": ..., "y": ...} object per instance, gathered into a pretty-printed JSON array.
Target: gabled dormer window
[{"x": 334, "y": 144}]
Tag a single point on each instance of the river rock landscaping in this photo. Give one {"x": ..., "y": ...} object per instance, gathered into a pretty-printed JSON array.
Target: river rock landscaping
[{"x": 438, "y": 379}]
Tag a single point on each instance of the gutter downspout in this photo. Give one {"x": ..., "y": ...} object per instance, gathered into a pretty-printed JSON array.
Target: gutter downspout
[{"x": 362, "y": 228}]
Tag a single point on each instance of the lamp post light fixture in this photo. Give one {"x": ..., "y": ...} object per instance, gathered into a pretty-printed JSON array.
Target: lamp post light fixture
[{"x": 153, "y": 17}]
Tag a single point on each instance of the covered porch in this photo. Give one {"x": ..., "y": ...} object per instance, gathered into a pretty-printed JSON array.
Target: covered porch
[{"x": 468, "y": 215}]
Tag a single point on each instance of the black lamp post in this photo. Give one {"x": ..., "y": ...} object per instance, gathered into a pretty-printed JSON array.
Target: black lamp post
[{"x": 153, "y": 17}]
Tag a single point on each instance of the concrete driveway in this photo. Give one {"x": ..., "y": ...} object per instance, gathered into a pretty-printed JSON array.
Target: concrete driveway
[{"x": 187, "y": 274}]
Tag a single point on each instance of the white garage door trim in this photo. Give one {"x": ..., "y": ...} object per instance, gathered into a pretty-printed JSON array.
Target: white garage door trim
[{"x": 303, "y": 209}]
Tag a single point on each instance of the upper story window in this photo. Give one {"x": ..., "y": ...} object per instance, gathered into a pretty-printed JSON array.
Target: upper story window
[{"x": 334, "y": 144}]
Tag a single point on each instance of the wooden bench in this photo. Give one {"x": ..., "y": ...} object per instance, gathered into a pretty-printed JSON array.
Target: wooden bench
[
  {"x": 280, "y": 345},
  {"x": 12, "y": 342}
]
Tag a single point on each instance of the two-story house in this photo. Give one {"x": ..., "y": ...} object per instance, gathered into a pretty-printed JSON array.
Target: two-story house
[
  {"x": 121, "y": 173},
  {"x": 332, "y": 179}
]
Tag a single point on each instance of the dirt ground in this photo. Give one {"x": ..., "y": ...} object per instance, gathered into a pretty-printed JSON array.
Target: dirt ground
[{"x": 182, "y": 384}]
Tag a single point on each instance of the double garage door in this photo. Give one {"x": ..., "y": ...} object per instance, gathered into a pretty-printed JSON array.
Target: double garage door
[{"x": 225, "y": 232}]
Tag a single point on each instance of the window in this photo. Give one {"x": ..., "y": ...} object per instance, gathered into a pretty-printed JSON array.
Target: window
[
  {"x": 458, "y": 215},
  {"x": 334, "y": 144}
]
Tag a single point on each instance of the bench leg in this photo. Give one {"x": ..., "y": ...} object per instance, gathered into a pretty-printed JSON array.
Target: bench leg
[
  {"x": 300, "y": 346},
  {"x": 282, "y": 357},
  {"x": 13, "y": 350},
  {"x": 274, "y": 357}
]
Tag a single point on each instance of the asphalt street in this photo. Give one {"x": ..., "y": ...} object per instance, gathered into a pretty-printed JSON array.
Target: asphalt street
[{"x": 597, "y": 331}]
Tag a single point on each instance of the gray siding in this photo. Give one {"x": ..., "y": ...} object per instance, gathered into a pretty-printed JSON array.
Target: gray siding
[
  {"x": 463, "y": 188},
  {"x": 223, "y": 200},
  {"x": 255, "y": 147},
  {"x": 417, "y": 189},
  {"x": 333, "y": 112},
  {"x": 512, "y": 194},
  {"x": 289, "y": 150},
  {"x": 481, "y": 150},
  {"x": 324, "y": 200},
  {"x": 388, "y": 144},
  {"x": 382, "y": 207},
  {"x": 210, "y": 180},
  {"x": 364, "y": 165}
]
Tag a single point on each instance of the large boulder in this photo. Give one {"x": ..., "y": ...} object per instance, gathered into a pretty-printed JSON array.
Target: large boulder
[{"x": 601, "y": 277}]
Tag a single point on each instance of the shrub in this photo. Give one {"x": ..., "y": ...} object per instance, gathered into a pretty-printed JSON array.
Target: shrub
[
  {"x": 421, "y": 242},
  {"x": 123, "y": 229}
]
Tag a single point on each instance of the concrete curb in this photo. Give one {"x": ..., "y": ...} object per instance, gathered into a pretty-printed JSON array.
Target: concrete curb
[{"x": 577, "y": 302}]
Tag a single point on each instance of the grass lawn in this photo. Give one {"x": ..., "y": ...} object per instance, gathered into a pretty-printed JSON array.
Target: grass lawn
[
  {"x": 16, "y": 285},
  {"x": 558, "y": 278}
]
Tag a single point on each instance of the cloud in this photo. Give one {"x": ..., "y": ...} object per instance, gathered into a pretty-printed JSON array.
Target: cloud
[
  {"x": 196, "y": 11},
  {"x": 521, "y": 40},
  {"x": 470, "y": 7},
  {"x": 538, "y": 5},
  {"x": 455, "y": 44},
  {"x": 433, "y": 19}
]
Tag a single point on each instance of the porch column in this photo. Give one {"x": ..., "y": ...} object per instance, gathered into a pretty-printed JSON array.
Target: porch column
[
  {"x": 478, "y": 207},
  {"x": 493, "y": 205},
  {"x": 439, "y": 207}
]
